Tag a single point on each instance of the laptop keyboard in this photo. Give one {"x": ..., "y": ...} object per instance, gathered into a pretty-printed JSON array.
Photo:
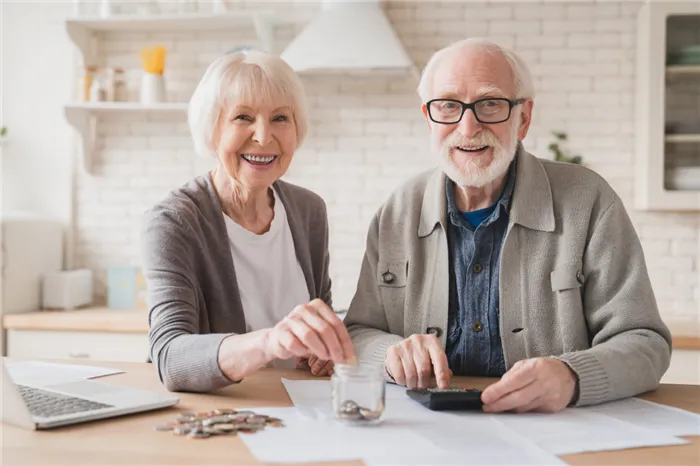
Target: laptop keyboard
[{"x": 48, "y": 404}]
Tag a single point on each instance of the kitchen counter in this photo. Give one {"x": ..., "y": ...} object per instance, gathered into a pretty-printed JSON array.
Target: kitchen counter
[{"x": 92, "y": 319}]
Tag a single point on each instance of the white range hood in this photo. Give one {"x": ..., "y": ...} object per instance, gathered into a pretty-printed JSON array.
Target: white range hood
[{"x": 349, "y": 37}]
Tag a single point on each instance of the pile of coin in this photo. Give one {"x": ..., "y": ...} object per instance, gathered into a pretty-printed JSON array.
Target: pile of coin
[
  {"x": 219, "y": 422},
  {"x": 352, "y": 412}
]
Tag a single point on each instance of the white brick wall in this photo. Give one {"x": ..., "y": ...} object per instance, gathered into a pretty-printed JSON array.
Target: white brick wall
[{"x": 368, "y": 134}]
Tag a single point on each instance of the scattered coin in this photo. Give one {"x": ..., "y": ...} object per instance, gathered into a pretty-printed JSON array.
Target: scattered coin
[{"x": 222, "y": 421}]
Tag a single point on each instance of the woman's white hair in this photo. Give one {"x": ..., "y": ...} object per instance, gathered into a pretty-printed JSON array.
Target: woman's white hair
[
  {"x": 246, "y": 77},
  {"x": 524, "y": 88}
]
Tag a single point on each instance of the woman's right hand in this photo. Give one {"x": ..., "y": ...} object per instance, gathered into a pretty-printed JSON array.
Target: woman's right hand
[{"x": 311, "y": 329}]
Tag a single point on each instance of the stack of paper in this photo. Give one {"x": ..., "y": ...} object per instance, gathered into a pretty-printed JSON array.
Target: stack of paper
[{"x": 413, "y": 435}]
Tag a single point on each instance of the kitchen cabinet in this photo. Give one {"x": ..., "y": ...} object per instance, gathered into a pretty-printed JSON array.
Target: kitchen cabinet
[
  {"x": 684, "y": 368},
  {"x": 668, "y": 106},
  {"x": 96, "y": 333},
  {"x": 30, "y": 246}
]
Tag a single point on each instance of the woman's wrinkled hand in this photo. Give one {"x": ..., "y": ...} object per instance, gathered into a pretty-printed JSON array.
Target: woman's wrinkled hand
[{"x": 311, "y": 330}]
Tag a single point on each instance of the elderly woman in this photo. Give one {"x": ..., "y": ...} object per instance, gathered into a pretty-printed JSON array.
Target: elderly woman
[{"x": 236, "y": 261}]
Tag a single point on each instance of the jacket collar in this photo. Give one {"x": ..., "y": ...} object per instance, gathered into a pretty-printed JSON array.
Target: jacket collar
[{"x": 531, "y": 206}]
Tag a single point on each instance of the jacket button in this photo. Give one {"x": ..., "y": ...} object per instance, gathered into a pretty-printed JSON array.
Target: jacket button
[
  {"x": 388, "y": 277},
  {"x": 477, "y": 326},
  {"x": 437, "y": 331},
  {"x": 478, "y": 268}
]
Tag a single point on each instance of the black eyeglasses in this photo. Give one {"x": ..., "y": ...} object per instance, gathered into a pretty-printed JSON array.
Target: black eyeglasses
[{"x": 489, "y": 111}]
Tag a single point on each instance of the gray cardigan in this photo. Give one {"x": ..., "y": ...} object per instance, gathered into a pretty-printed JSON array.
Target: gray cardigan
[
  {"x": 573, "y": 280},
  {"x": 193, "y": 297}
]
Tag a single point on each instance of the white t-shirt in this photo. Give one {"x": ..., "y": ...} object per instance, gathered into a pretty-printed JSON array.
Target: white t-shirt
[{"x": 270, "y": 280}]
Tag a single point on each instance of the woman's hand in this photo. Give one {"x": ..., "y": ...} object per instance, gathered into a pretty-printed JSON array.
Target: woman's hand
[{"x": 310, "y": 330}]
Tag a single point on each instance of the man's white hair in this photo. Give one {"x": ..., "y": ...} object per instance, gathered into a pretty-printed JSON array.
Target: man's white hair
[
  {"x": 524, "y": 87},
  {"x": 250, "y": 78}
]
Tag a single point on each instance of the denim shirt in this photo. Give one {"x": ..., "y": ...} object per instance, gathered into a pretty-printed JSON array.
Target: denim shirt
[{"x": 474, "y": 344}]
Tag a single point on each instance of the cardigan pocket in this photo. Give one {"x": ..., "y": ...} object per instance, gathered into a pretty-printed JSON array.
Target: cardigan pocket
[
  {"x": 392, "y": 274},
  {"x": 391, "y": 282},
  {"x": 565, "y": 278},
  {"x": 570, "y": 320}
]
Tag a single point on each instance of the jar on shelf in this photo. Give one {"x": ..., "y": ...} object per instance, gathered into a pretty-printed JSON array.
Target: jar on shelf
[
  {"x": 97, "y": 91},
  {"x": 86, "y": 78},
  {"x": 358, "y": 393},
  {"x": 121, "y": 94}
]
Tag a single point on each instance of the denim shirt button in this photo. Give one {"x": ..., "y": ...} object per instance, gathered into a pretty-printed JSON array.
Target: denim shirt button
[{"x": 477, "y": 326}]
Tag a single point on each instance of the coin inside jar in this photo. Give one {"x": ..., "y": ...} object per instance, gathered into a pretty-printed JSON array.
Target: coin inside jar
[{"x": 353, "y": 412}]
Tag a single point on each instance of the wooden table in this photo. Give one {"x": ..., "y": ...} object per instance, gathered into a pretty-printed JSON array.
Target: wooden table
[{"x": 132, "y": 440}]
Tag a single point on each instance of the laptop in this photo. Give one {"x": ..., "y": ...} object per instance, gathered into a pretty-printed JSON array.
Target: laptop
[{"x": 44, "y": 407}]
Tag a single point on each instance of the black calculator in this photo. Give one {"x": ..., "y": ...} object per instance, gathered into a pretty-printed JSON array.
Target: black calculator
[{"x": 447, "y": 399}]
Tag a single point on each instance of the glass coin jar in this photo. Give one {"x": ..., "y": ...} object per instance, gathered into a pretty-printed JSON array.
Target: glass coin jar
[{"x": 358, "y": 393}]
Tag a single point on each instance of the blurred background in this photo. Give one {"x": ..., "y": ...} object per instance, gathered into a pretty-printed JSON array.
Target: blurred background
[{"x": 94, "y": 99}]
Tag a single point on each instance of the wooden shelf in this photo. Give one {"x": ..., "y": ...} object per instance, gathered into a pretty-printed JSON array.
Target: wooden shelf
[
  {"x": 683, "y": 69},
  {"x": 81, "y": 29},
  {"x": 83, "y": 117},
  {"x": 167, "y": 22},
  {"x": 109, "y": 107},
  {"x": 680, "y": 138}
]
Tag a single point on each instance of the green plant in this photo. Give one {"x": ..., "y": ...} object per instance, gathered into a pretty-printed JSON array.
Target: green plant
[
  {"x": 559, "y": 155},
  {"x": 3, "y": 131}
]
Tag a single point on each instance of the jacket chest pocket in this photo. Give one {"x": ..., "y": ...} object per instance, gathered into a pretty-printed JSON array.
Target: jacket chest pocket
[
  {"x": 567, "y": 283},
  {"x": 391, "y": 281}
]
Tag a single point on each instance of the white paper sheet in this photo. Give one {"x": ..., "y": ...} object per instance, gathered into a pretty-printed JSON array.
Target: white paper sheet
[
  {"x": 575, "y": 430},
  {"x": 41, "y": 374},
  {"x": 455, "y": 438},
  {"x": 304, "y": 440},
  {"x": 661, "y": 418}
]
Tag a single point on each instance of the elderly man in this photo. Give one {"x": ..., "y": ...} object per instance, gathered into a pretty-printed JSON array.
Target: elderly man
[{"x": 502, "y": 264}]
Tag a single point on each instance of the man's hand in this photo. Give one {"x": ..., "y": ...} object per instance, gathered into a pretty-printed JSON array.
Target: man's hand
[
  {"x": 316, "y": 366},
  {"x": 538, "y": 384},
  {"x": 319, "y": 367},
  {"x": 418, "y": 362}
]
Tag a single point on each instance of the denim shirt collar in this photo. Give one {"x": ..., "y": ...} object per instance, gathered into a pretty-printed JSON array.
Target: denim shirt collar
[{"x": 455, "y": 215}]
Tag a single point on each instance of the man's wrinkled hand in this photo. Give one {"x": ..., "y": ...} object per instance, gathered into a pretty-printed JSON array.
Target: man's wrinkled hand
[
  {"x": 320, "y": 367},
  {"x": 418, "y": 362},
  {"x": 538, "y": 384}
]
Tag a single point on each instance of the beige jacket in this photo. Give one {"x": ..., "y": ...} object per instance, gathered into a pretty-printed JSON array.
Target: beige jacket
[{"x": 573, "y": 280}]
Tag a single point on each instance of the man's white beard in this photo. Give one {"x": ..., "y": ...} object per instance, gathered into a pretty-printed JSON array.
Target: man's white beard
[{"x": 471, "y": 174}]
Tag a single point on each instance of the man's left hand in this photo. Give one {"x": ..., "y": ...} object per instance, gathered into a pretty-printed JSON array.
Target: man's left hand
[
  {"x": 318, "y": 367},
  {"x": 538, "y": 384}
]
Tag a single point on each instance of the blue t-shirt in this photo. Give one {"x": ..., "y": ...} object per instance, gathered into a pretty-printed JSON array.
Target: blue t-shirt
[{"x": 476, "y": 217}]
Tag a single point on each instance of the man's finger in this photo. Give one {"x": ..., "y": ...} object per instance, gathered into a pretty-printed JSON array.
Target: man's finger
[
  {"x": 394, "y": 367},
  {"x": 513, "y": 380},
  {"x": 340, "y": 330},
  {"x": 424, "y": 367},
  {"x": 440, "y": 366},
  {"x": 514, "y": 400},
  {"x": 409, "y": 368},
  {"x": 318, "y": 366}
]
